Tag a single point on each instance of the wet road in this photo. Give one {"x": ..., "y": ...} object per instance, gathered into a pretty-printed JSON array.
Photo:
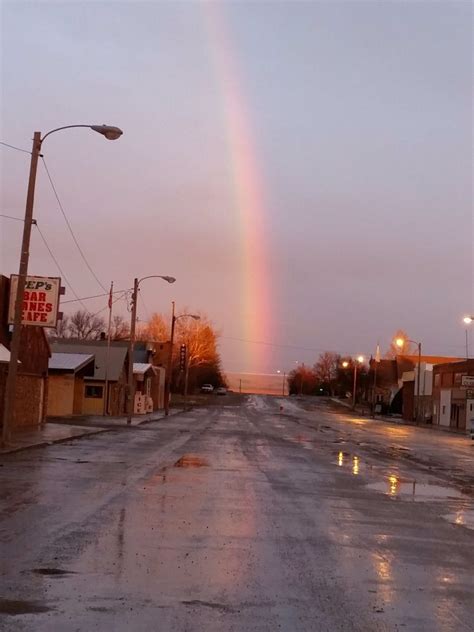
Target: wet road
[{"x": 241, "y": 518}]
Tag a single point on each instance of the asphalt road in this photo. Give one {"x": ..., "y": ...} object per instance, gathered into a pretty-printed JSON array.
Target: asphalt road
[{"x": 241, "y": 518}]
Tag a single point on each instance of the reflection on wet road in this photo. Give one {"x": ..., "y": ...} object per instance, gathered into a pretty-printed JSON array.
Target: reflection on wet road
[{"x": 247, "y": 517}]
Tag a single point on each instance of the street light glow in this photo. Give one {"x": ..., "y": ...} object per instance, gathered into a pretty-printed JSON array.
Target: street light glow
[
  {"x": 360, "y": 359},
  {"x": 345, "y": 364},
  {"x": 468, "y": 319},
  {"x": 400, "y": 342}
]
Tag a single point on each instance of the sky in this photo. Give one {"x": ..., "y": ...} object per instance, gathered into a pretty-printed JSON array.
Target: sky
[{"x": 304, "y": 169}]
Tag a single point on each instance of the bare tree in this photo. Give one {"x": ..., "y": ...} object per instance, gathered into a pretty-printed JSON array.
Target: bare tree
[
  {"x": 200, "y": 339},
  {"x": 61, "y": 329},
  {"x": 326, "y": 368},
  {"x": 120, "y": 329},
  {"x": 85, "y": 326},
  {"x": 156, "y": 329}
]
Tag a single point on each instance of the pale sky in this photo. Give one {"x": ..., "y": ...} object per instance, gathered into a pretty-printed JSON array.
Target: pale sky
[{"x": 352, "y": 119}]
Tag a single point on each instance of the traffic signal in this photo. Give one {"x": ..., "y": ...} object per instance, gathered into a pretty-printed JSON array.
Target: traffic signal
[{"x": 182, "y": 357}]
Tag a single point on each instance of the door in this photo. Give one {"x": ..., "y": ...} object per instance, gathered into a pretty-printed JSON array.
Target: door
[{"x": 445, "y": 407}]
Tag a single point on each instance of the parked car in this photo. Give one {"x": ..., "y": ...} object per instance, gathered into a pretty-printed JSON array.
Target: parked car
[
  {"x": 207, "y": 388},
  {"x": 221, "y": 390}
]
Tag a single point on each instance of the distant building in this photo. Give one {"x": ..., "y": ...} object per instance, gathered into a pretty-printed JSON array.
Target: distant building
[
  {"x": 395, "y": 386},
  {"x": 67, "y": 373},
  {"x": 109, "y": 365},
  {"x": 453, "y": 395},
  {"x": 420, "y": 405}
]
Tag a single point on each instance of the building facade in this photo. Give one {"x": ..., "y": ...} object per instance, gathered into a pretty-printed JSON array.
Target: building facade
[
  {"x": 453, "y": 395},
  {"x": 32, "y": 379}
]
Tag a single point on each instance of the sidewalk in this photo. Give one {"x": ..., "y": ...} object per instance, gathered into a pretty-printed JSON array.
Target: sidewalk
[
  {"x": 57, "y": 430},
  {"x": 101, "y": 421},
  {"x": 397, "y": 419},
  {"x": 46, "y": 435}
]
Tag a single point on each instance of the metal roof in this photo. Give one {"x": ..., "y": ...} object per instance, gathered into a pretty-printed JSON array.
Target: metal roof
[
  {"x": 141, "y": 367},
  {"x": 69, "y": 361},
  {"x": 4, "y": 354},
  {"x": 116, "y": 356}
]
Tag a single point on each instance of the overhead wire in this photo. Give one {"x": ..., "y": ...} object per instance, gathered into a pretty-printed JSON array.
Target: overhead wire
[
  {"x": 69, "y": 226},
  {"x": 18, "y": 219},
  {"x": 25, "y": 151},
  {"x": 63, "y": 275},
  {"x": 87, "y": 298}
]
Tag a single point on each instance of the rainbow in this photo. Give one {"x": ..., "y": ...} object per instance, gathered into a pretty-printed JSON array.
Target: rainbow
[{"x": 249, "y": 191}]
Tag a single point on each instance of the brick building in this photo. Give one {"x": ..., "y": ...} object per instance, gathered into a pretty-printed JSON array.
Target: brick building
[{"x": 453, "y": 395}]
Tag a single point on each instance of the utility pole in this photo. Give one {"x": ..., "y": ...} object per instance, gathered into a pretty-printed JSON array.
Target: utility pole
[
  {"x": 10, "y": 388},
  {"x": 418, "y": 402},
  {"x": 131, "y": 389},
  {"x": 169, "y": 368},
  {"x": 355, "y": 386}
]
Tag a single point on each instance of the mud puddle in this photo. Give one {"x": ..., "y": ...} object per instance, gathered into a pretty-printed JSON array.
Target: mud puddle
[{"x": 191, "y": 460}]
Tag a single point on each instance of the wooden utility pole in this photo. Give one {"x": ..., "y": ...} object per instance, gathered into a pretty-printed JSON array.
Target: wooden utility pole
[
  {"x": 9, "y": 404},
  {"x": 131, "y": 345}
]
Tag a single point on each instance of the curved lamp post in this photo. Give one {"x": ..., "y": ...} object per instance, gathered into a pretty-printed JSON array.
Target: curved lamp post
[
  {"x": 359, "y": 360},
  {"x": 111, "y": 133},
  {"x": 133, "y": 322},
  {"x": 283, "y": 382},
  {"x": 170, "y": 360},
  {"x": 400, "y": 342}
]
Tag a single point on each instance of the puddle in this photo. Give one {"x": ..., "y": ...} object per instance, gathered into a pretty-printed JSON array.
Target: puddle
[
  {"x": 396, "y": 486},
  {"x": 191, "y": 460},
  {"x": 51, "y": 571},
  {"x": 20, "y": 606},
  {"x": 353, "y": 462},
  {"x": 463, "y": 517}
]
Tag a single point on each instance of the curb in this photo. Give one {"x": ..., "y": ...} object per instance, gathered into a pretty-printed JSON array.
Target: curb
[{"x": 45, "y": 444}]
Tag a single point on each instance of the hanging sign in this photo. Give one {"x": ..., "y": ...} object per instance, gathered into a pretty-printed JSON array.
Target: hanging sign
[{"x": 40, "y": 301}]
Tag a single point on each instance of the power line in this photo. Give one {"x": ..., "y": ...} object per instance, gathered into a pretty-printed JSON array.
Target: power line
[
  {"x": 69, "y": 225},
  {"x": 58, "y": 266},
  {"x": 18, "y": 219},
  {"x": 25, "y": 151},
  {"x": 119, "y": 298},
  {"x": 87, "y": 298}
]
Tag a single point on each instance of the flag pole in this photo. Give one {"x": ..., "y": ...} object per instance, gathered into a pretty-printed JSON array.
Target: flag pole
[{"x": 109, "y": 335}]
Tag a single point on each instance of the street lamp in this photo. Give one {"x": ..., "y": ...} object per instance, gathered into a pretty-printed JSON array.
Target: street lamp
[
  {"x": 170, "y": 358},
  {"x": 467, "y": 320},
  {"x": 359, "y": 360},
  {"x": 400, "y": 342},
  {"x": 133, "y": 322},
  {"x": 283, "y": 383},
  {"x": 111, "y": 133}
]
